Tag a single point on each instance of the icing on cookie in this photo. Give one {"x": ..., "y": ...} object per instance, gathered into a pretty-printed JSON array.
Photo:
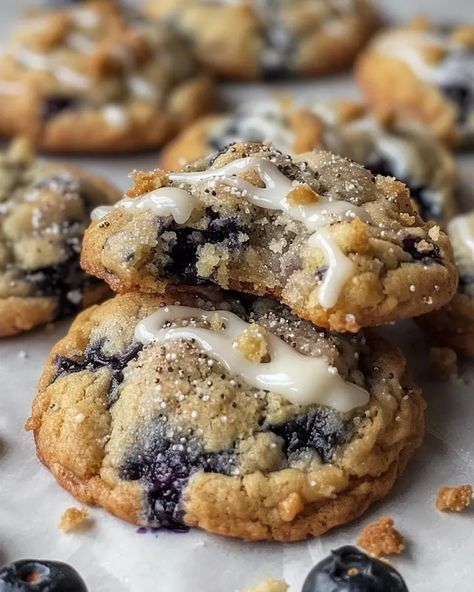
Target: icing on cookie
[
  {"x": 37, "y": 61},
  {"x": 116, "y": 116},
  {"x": 165, "y": 201},
  {"x": 461, "y": 228},
  {"x": 303, "y": 380}
]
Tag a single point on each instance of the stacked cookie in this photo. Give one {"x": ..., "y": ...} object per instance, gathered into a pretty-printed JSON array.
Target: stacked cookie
[{"x": 230, "y": 385}]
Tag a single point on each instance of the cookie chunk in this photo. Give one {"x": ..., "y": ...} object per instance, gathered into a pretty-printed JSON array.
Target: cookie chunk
[
  {"x": 268, "y": 39},
  {"x": 148, "y": 408},
  {"x": 424, "y": 74},
  {"x": 89, "y": 77},
  {"x": 453, "y": 325},
  {"x": 319, "y": 232},
  {"x": 44, "y": 210},
  {"x": 344, "y": 127}
]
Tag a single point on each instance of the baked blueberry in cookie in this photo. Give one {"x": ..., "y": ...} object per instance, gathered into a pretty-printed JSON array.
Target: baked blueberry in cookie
[
  {"x": 268, "y": 38},
  {"x": 44, "y": 210},
  {"x": 434, "y": 71},
  {"x": 341, "y": 247},
  {"x": 35, "y": 575},
  {"x": 349, "y": 570},
  {"x": 94, "y": 77},
  {"x": 224, "y": 412},
  {"x": 453, "y": 325},
  {"x": 345, "y": 127}
]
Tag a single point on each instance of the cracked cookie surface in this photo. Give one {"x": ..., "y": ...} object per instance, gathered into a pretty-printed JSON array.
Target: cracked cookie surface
[
  {"x": 92, "y": 78},
  {"x": 341, "y": 247},
  {"x": 44, "y": 210},
  {"x": 345, "y": 127},
  {"x": 434, "y": 72},
  {"x": 169, "y": 432},
  {"x": 268, "y": 39}
]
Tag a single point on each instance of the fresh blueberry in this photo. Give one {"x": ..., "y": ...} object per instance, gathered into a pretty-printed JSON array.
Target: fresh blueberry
[
  {"x": 35, "y": 575},
  {"x": 52, "y": 106},
  {"x": 349, "y": 570}
]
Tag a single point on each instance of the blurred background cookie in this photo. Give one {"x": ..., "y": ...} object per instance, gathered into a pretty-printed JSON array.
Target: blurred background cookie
[
  {"x": 345, "y": 127},
  {"x": 423, "y": 73},
  {"x": 91, "y": 78},
  {"x": 266, "y": 39},
  {"x": 44, "y": 210}
]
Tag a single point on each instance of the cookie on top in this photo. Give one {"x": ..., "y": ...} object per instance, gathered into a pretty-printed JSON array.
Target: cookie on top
[
  {"x": 44, "y": 210},
  {"x": 268, "y": 39},
  {"x": 228, "y": 413},
  {"x": 423, "y": 73},
  {"x": 346, "y": 127},
  {"x": 453, "y": 325},
  {"x": 90, "y": 77},
  {"x": 339, "y": 246}
]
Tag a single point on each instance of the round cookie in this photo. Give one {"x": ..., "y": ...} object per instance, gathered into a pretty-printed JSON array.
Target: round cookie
[
  {"x": 340, "y": 247},
  {"x": 168, "y": 412},
  {"x": 268, "y": 39},
  {"x": 344, "y": 127},
  {"x": 453, "y": 325},
  {"x": 434, "y": 72},
  {"x": 91, "y": 78},
  {"x": 44, "y": 210}
]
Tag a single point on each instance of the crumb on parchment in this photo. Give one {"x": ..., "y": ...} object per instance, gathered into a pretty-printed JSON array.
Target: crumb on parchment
[
  {"x": 269, "y": 585},
  {"x": 454, "y": 499},
  {"x": 381, "y": 538},
  {"x": 73, "y": 519},
  {"x": 443, "y": 362}
]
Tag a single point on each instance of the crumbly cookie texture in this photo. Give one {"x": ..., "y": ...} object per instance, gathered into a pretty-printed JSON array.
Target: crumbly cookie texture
[
  {"x": 164, "y": 435},
  {"x": 268, "y": 39},
  {"x": 434, "y": 70},
  {"x": 44, "y": 210},
  {"x": 453, "y": 325},
  {"x": 381, "y": 538},
  {"x": 269, "y": 585},
  {"x": 74, "y": 519},
  {"x": 345, "y": 127},
  {"x": 92, "y": 77},
  {"x": 454, "y": 499},
  {"x": 352, "y": 253}
]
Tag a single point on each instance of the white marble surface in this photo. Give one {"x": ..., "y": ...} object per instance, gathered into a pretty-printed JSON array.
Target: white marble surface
[{"x": 113, "y": 558}]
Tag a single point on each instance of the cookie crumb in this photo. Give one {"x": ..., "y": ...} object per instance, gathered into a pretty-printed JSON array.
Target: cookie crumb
[
  {"x": 73, "y": 519},
  {"x": 269, "y": 585},
  {"x": 381, "y": 538},
  {"x": 290, "y": 507},
  {"x": 253, "y": 344},
  {"x": 302, "y": 195},
  {"x": 407, "y": 219},
  {"x": 443, "y": 362},
  {"x": 454, "y": 499},
  {"x": 433, "y": 233}
]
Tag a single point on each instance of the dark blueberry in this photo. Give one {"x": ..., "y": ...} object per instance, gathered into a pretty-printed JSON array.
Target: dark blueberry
[
  {"x": 426, "y": 257},
  {"x": 322, "y": 432},
  {"x": 463, "y": 98},
  {"x": 94, "y": 359},
  {"x": 52, "y": 106},
  {"x": 35, "y": 575},
  {"x": 349, "y": 570},
  {"x": 183, "y": 252},
  {"x": 164, "y": 464}
]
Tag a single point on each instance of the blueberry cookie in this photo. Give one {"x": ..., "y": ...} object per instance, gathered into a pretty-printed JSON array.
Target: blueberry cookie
[
  {"x": 425, "y": 74},
  {"x": 319, "y": 232},
  {"x": 344, "y": 127},
  {"x": 44, "y": 210},
  {"x": 228, "y": 413},
  {"x": 267, "y": 38},
  {"x": 88, "y": 78},
  {"x": 453, "y": 325}
]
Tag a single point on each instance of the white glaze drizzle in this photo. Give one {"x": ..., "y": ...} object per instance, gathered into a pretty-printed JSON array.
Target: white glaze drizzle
[
  {"x": 165, "y": 201},
  {"x": 301, "y": 379},
  {"x": 116, "y": 116},
  {"x": 37, "y": 61},
  {"x": 461, "y": 228}
]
